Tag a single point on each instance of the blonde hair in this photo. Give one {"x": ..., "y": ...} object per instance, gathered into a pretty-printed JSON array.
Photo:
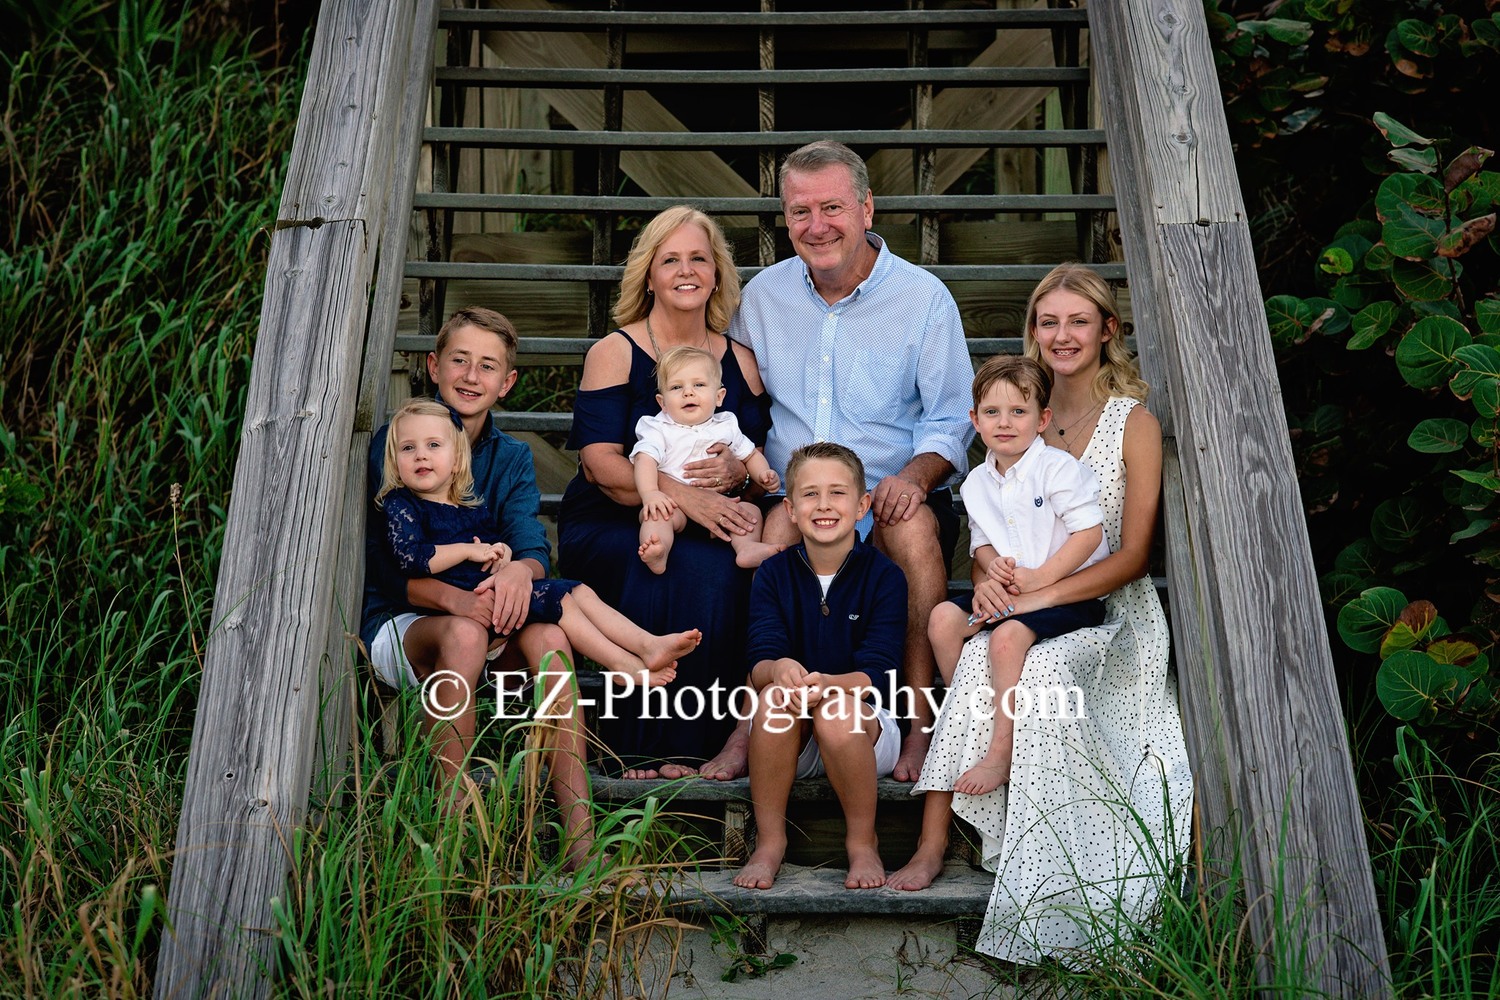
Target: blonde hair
[
  {"x": 635, "y": 300},
  {"x": 461, "y": 484},
  {"x": 830, "y": 451},
  {"x": 674, "y": 358},
  {"x": 1119, "y": 374}
]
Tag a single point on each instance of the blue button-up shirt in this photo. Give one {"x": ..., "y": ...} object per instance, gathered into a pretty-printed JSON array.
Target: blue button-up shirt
[{"x": 884, "y": 370}]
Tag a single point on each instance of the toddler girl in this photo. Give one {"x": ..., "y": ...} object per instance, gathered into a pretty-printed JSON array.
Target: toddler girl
[{"x": 435, "y": 526}]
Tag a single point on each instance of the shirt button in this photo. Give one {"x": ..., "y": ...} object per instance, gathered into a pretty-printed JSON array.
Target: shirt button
[{"x": 1010, "y": 521}]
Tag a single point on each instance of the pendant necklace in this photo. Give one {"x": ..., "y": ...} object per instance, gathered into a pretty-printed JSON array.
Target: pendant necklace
[
  {"x": 1062, "y": 431},
  {"x": 656, "y": 348}
]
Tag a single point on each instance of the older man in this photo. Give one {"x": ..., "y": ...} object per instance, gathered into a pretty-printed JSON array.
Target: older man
[{"x": 857, "y": 346}]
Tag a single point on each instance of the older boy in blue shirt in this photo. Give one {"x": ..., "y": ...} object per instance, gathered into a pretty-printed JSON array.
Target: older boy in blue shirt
[{"x": 827, "y": 629}]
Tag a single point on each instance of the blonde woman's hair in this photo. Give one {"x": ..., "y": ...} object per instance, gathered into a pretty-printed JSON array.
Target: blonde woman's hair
[
  {"x": 461, "y": 486},
  {"x": 674, "y": 358},
  {"x": 1119, "y": 374},
  {"x": 635, "y": 302}
]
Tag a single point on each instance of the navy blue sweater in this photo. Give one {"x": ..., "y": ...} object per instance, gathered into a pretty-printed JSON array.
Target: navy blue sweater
[{"x": 861, "y": 626}]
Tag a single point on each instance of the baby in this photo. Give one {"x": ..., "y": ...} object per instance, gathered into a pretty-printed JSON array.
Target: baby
[{"x": 690, "y": 388}]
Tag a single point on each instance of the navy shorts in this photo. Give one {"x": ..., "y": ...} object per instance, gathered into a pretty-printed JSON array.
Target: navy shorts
[{"x": 1048, "y": 622}]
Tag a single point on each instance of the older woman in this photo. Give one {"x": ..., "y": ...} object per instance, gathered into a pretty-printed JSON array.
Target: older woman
[{"x": 680, "y": 288}]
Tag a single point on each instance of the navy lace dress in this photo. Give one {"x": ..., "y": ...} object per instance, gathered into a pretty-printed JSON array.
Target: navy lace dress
[
  {"x": 414, "y": 527},
  {"x": 702, "y": 587}
]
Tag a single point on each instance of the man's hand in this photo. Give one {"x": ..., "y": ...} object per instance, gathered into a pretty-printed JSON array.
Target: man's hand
[
  {"x": 896, "y": 500},
  {"x": 511, "y": 593}
]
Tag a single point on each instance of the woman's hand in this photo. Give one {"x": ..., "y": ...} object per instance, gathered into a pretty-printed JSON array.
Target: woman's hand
[
  {"x": 716, "y": 512},
  {"x": 991, "y": 602},
  {"x": 720, "y": 471}
]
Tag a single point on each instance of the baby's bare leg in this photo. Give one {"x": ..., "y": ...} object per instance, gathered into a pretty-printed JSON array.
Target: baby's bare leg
[
  {"x": 1008, "y": 645},
  {"x": 749, "y": 550},
  {"x": 657, "y": 654},
  {"x": 948, "y": 629},
  {"x": 657, "y": 538}
]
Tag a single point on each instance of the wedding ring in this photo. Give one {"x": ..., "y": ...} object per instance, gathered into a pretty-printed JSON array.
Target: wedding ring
[
  {"x": 718, "y": 482},
  {"x": 906, "y": 496}
]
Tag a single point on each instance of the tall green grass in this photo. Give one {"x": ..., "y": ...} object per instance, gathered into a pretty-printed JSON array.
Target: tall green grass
[{"x": 140, "y": 164}]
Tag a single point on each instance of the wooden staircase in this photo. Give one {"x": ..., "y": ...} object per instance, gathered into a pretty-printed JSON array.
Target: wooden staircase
[
  {"x": 975, "y": 123},
  {"x": 985, "y": 131}
]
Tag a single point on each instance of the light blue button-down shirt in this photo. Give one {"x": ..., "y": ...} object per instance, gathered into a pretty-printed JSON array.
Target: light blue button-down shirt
[{"x": 884, "y": 370}]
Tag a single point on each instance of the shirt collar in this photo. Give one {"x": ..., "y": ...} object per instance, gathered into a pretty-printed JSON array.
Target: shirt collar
[
  {"x": 485, "y": 433},
  {"x": 1022, "y": 469}
]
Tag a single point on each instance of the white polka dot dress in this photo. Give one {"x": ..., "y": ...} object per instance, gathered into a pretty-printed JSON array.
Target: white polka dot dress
[{"x": 1098, "y": 804}]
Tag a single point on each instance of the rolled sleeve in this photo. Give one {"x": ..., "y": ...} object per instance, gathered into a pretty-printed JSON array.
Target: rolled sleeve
[{"x": 1075, "y": 497}]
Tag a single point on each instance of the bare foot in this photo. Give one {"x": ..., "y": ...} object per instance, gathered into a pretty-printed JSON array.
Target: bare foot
[
  {"x": 640, "y": 774},
  {"x": 751, "y": 554},
  {"x": 674, "y": 771},
  {"x": 760, "y": 871},
  {"x": 982, "y": 778},
  {"x": 645, "y": 677},
  {"x": 732, "y": 761},
  {"x": 919, "y": 872},
  {"x": 866, "y": 870},
  {"x": 662, "y": 651},
  {"x": 913, "y": 753},
  {"x": 654, "y": 555}
]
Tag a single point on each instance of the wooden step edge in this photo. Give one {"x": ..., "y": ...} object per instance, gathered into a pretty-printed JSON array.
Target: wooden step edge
[
  {"x": 607, "y": 789},
  {"x": 961, "y": 891}
]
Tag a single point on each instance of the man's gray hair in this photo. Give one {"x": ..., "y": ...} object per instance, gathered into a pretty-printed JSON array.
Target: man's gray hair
[{"x": 826, "y": 153}]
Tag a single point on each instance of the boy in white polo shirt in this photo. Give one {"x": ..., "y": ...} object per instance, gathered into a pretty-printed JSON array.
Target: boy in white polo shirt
[{"x": 1034, "y": 518}]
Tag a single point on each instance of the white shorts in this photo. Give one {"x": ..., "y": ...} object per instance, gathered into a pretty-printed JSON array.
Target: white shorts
[
  {"x": 388, "y": 652},
  {"x": 887, "y": 749}
]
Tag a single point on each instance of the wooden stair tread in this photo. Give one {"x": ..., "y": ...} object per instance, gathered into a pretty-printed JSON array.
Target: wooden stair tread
[
  {"x": 702, "y": 790},
  {"x": 961, "y": 891}
]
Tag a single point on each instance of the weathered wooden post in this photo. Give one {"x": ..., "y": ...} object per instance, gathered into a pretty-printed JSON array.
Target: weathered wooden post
[
  {"x": 1261, "y": 708},
  {"x": 254, "y": 736}
]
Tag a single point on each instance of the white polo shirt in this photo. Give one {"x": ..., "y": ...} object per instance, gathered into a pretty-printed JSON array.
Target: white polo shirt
[
  {"x": 1029, "y": 512},
  {"x": 674, "y": 445}
]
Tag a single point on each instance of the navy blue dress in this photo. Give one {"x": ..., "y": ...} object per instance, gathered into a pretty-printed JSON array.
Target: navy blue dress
[{"x": 702, "y": 587}]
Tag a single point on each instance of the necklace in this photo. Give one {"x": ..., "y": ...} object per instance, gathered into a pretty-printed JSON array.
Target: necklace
[
  {"x": 656, "y": 348},
  {"x": 1078, "y": 422}
]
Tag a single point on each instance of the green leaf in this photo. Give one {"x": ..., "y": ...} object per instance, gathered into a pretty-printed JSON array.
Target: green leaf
[
  {"x": 1459, "y": 652},
  {"x": 1421, "y": 160},
  {"x": 1326, "y": 421},
  {"x": 1371, "y": 323},
  {"x": 1325, "y": 10},
  {"x": 1284, "y": 29},
  {"x": 1408, "y": 684},
  {"x": 1423, "y": 194},
  {"x": 1412, "y": 235},
  {"x": 1398, "y": 134},
  {"x": 1425, "y": 280},
  {"x": 1379, "y": 259},
  {"x": 1329, "y": 317},
  {"x": 1418, "y": 36},
  {"x": 1482, "y": 432},
  {"x": 1479, "y": 477},
  {"x": 1288, "y": 318},
  {"x": 1480, "y": 363},
  {"x": 1438, "y": 436},
  {"x": 1425, "y": 356},
  {"x": 1488, "y": 32},
  {"x": 1360, "y": 557},
  {"x": 1476, "y": 527},
  {"x": 1398, "y": 638},
  {"x": 1336, "y": 260},
  {"x": 1363, "y": 622},
  {"x": 1396, "y": 523},
  {"x": 1487, "y": 315},
  {"x": 1486, "y": 399}
]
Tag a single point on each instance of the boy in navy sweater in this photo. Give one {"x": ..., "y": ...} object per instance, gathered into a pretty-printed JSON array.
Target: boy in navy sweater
[{"x": 827, "y": 630}]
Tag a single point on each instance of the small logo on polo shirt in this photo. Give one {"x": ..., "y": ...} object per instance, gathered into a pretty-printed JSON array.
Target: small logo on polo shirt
[
  {"x": 1037, "y": 501},
  {"x": 854, "y": 618}
]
